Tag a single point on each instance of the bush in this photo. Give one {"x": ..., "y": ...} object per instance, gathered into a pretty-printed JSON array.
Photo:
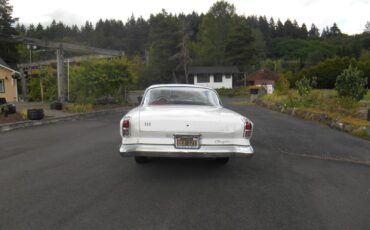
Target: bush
[
  {"x": 93, "y": 79},
  {"x": 292, "y": 100},
  {"x": 351, "y": 83},
  {"x": 105, "y": 100},
  {"x": 78, "y": 108},
  {"x": 48, "y": 80},
  {"x": 348, "y": 105},
  {"x": 328, "y": 70},
  {"x": 34, "y": 93},
  {"x": 312, "y": 99},
  {"x": 50, "y": 85},
  {"x": 4, "y": 109},
  {"x": 305, "y": 85},
  {"x": 282, "y": 85},
  {"x": 239, "y": 91}
]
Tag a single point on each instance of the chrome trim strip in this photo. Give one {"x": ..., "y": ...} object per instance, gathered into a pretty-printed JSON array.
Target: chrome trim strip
[{"x": 171, "y": 151}]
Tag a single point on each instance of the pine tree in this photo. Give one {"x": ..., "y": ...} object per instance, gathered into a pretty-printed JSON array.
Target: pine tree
[
  {"x": 334, "y": 30},
  {"x": 239, "y": 46},
  {"x": 314, "y": 32},
  {"x": 213, "y": 33},
  {"x": 7, "y": 50},
  {"x": 367, "y": 27}
]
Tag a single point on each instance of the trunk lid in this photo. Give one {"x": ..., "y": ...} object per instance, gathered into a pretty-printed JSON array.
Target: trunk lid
[{"x": 210, "y": 122}]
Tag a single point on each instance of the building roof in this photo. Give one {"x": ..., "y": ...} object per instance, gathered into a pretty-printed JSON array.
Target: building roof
[
  {"x": 263, "y": 74},
  {"x": 6, "y": 66},
  {"x": 213, "y": 69},
  {"x": 3, "y": 63}
]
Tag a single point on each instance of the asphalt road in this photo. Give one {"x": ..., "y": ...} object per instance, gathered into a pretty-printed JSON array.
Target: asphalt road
[{"x": 70, "y": 176}]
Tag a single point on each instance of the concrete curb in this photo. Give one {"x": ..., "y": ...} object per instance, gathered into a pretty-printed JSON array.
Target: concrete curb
[{"x": 24, "y": 124}]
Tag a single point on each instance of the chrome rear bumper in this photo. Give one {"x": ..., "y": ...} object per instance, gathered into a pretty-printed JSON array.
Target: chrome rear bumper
[{"x": 209, "y": 151}]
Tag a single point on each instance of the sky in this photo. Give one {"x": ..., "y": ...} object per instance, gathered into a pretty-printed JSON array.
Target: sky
[{"x": 350, "y": 15}]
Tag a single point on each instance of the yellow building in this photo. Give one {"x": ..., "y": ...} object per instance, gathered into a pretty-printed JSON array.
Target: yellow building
[{"x": 8, "y": 85}]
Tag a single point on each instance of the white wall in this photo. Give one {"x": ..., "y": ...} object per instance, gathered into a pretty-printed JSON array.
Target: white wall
[{"x": 226, "y": 82}]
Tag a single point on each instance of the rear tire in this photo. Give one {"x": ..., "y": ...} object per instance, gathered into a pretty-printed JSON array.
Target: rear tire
[
  {"x": 141, "y": 160},
  {"x": 222, "y": 160}
]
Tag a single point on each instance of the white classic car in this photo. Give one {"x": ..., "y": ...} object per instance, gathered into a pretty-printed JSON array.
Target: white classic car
[{"x": 184, "y": 121}]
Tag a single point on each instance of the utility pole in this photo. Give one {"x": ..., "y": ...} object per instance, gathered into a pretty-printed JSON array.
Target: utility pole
[
  {"x": 41, "y": 85},
  {"x": 61, "y": 75},
  {"x": 24, "y": 85},
  {"x": 68, "y": 77}
]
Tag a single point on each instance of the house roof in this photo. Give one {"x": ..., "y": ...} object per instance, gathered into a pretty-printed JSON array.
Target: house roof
[
  {"x": 263, "y": 74},
  {"x": 3, "y": 63},
  {"x": 6, "y": 66},
  {"x": 213, "y": 69}
]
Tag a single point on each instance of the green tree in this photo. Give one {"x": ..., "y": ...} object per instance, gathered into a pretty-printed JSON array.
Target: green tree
[
  {"x": 328, "y": 70},
  {"x": 351, "y": 83},
  {"x": 213, "y": 33},
  {"x": 8, "y": 49},
  {"x": 49, "y": 83},
  {"x": 314, "y": 32},
  {"x": 92, "y": 79},
  {"x": 239, "y": 46},
  {"x": 163, "y": 44},
  {"x": 183, "y": 55},
  {"x": 367, "y": 27}
]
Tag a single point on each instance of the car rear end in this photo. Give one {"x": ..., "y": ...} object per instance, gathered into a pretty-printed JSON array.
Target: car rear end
[{"x": 209, "y": 131}]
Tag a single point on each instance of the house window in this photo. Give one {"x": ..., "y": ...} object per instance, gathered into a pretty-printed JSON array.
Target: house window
[
  {"x": 217, "y": 78},
  {"x": 2, "y": 86},
  {"x": 203, "y": 78}
]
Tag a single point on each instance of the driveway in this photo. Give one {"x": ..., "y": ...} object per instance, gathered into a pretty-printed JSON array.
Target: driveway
[{"x": 70, "y": 176}]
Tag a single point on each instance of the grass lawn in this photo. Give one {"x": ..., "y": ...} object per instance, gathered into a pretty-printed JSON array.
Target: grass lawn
[
  {"x": 332, "y": 92},
  {"x": 367, "y": 96}
]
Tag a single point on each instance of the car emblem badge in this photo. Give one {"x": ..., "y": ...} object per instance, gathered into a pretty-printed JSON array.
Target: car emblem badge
[{"x": 147, "y": 123}]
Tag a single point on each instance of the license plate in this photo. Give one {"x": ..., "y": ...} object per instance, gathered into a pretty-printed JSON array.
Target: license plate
[{"x": 187, "y": 142}]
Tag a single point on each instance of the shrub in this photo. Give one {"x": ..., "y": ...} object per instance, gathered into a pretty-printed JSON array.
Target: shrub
[
  {"x": 4, "y": 109},
  {"x": 312, "y": 99},
  {"x": 78, "y": 108},
  {"x": 348, "y": 105},
  {"x": 328, "y": 70},
  {"x": 95, "y": 78},
  {"x": 351, "y": 83},
  {"x": 239, "y": 91},
  {"x": 282, "y": 85},
  {"x": 305, "y": 85},
  {"x": 34, "y": 93},
  {"x": 49, "y": 82},
  {"x": 292, "y": 100}
]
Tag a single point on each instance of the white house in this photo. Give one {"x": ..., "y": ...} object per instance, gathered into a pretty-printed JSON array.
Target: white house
[{"x": 214, "y": 76}]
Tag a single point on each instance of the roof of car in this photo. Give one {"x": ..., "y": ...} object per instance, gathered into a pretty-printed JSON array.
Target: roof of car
[{"x": 179, "y": 85}]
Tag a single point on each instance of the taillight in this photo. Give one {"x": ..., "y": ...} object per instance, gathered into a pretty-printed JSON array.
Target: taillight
[
  {"x": 126, "y": 127},
  {"x": 248, "y": 129},
  {"x": 126, "y": 124}
]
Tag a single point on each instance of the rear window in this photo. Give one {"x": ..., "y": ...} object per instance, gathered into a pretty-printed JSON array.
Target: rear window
[{"x": 181, "y": 96}]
